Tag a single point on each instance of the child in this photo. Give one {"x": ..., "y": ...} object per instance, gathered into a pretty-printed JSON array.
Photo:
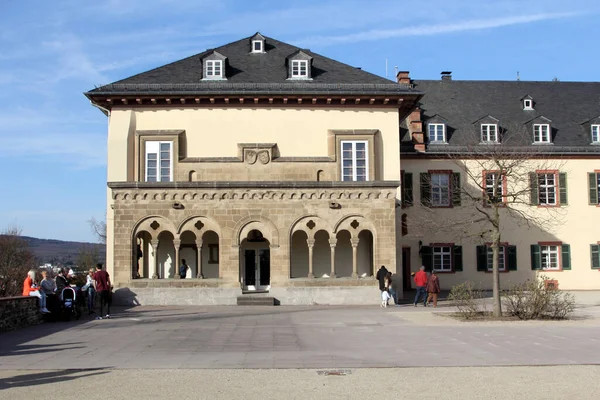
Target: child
[{"x": 385, "y": 298}]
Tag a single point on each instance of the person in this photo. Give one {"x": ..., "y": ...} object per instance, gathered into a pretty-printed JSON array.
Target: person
[
  {"x": 380, "y": 276},
  {"x": 390, "y": 288},
  {"x": 102, "y": 287},
  {"x": 88, "y": 288},
  {"x": 30, "y": 288},
  {"x": 48, "y": 287},
  {"x": 421, "y": 283},
  {"x": 61, "y": 282},
  {"x": 183, "y": 269},
  {"x": 433, "y": 288}
]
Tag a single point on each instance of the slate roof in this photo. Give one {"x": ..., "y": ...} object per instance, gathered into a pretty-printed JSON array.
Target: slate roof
[
  {"x": 249, "y": 72},
  {"x": 462, "y": 104}
]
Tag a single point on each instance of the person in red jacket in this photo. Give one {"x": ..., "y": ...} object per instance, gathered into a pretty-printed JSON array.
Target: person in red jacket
[
  {"x": 30, "y": 288},
  {"x": 421, "y": 283}
]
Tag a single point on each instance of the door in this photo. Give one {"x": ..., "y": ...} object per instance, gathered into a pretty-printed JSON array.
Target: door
[
  {"x": 257, "y": 269},
  {"x": 406, "y": 278}
]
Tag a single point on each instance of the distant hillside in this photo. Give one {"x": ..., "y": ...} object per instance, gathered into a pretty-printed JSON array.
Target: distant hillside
[{"x": 58, "y": 251}]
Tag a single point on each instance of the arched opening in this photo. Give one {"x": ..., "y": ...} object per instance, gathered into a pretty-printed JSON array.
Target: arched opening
[
  {"x": 343, "y": 255},
  {"x": 255, "y": 262},
  {"x": 166, "y": 263},
  {"x": 364, "y": 254},
  {"x": 322, "y": 255},
  {"x": 299, "y": 255},
  {"x": 319, "y": 175},
  {"x": 188, "y": 251},
  {"x": 143, "y": 256},
  {"x": 210, "y": 255},
  {"x": 192, "y": 176}
]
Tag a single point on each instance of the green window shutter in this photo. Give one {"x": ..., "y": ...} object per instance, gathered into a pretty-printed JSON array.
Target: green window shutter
[
  {"x": 482, "y": 258},
  {"x": 511, "y": 257},
  {"x": 566, "y": 256},
  {"x": 536, "y": 257},
  {"x": 407, "y": 189},
  {"x": 533, "y": 187},
  {"x": 456, "y": 189},
  {"x": 595, "y": 251},
  {"x": 427, "y": 257},
  {"x": 593, "y": 187},
  {"x": 562, "y": 184},
  {"x": 425, "y": 189},
  {"x": 457, "y": 258}
]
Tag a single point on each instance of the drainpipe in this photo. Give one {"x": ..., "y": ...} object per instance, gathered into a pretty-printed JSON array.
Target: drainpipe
[{"x": 104, "y": 110}]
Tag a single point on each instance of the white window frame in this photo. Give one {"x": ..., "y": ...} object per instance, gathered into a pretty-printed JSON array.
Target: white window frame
[
  {"x": 354, "y": 160},
  {"x": 498, "y": 180},
  {"x": 432, "y": 133},
  {"x": 550, "y": 257},
  {"x": 527, "y": 104},
  {"x": 595, "y": 131},
  {"x": 261, "y": 49},
  {"x": 442, "y": 195},
  {"x": 501, "y": 258},
  {"x": 548, "y": 189},
  {"x": 443, "y": 254},
  {"x": 154, "y": 147},
  {"x": 300, "y": 64},
  {"x": 486, "y": 133},
  {"x": 211, "y": 66},
  {"x": 538, "y": 132}
]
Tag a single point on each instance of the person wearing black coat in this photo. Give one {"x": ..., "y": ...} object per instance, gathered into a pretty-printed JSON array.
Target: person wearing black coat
[{"x": 380, "y": 276}]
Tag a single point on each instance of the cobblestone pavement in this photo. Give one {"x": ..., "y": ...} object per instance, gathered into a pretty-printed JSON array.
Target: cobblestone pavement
[{"x": 298, "y": 337}]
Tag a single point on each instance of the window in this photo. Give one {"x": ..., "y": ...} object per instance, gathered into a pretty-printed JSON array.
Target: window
[
  {"x": 548, "y": 188},
  {"x": 551, "y": 256},
  {"x": 541, "y": 133},
  {"x": 437, "y": 133},
  {"x": 594, "y": 187},
  {"x": 507, "y": 258},
  {"x": 407, "y": 189},
  {"x": 213, "y": 253},
  {"x": 595, "y": 133},
  {"x": 440, "y": 189},
  {"x": 354, "y": 161},
  {"x": 527, "y": 104},
  {"x": 257, "y": 46},
  {"x": 443, "y": 257},
  {"x": 595, "y": 255},
  {"x": 489, "y": 133},
  {"x": 299, "y": 69},
  {"x": 495, "y": 185},
  {"x": 214, "y": 69},
  {"x": 501, "y": 258},
  {"x": 159, "y": 161}
]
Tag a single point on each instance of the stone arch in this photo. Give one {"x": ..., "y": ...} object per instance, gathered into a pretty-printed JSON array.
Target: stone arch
[
  {"x": 208, "y": 224},
  {"x": 146, "y": 224},
  {"x": 300, "y": 224},
  {"x": 264, "y": 225}
]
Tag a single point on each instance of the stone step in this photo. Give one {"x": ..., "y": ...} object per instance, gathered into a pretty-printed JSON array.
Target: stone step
[{"x": 249, "y": 300}]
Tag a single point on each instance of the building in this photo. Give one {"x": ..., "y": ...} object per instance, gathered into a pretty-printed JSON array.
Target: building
[{"x": 265, "y": 166}]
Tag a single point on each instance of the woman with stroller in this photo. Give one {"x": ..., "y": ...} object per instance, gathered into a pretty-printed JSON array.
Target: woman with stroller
[{"x": 88, "y": 288}]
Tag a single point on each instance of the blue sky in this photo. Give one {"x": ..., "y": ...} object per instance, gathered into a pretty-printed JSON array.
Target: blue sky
[{"x": 53, "y": 152}]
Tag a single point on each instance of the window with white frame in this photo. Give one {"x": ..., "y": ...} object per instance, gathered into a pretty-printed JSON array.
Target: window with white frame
[
  {"x": 501, "y": 258},
  {"x": 214, "y": 69},
  {"x": 159, "y": 161},
  {"x": 355, "y": 161},
  {"x": 547, "y": 189},
  {"x": 549, "y": 257},
  {"x": 299, "y": 69},
  {"x": 442, "y": 258},
  {"x": 489, "y": 133},
  {"x": 257, "y": 46},
  {"x": 595, "y": 133},
  {"x": 440, "y": 189},
  {"x": 494, "y": 187},
  {"x": 527, "y": 104},
  {"x": 437, "y": 133},
  {"x": 541, "y": 133}
]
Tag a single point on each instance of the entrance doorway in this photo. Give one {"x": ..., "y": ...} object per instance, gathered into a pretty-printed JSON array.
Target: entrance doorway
[
  {"x": 406, "y": 278},
  {"x": 255, "y": 260}
]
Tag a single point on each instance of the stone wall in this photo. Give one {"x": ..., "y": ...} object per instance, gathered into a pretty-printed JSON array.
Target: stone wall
[{"x": 19, "y": 312}]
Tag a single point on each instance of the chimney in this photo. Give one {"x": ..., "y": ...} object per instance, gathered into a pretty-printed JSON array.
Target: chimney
[
  {"x": 446, "y": 75},
  {"x": 403, "y": 77}
]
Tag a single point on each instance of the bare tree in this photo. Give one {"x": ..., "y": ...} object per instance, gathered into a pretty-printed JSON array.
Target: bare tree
[
  {"x": 499, "y": 187},
  {"x": 99, "y": 229},
  {"x": 15, "y": 260}
]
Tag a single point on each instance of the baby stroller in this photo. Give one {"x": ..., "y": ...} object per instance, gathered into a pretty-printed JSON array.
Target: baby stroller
[{"x": 69, "y": 305}]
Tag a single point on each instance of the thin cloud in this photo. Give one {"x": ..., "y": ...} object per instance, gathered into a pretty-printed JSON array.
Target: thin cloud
[{"x": 428, "y": 30}]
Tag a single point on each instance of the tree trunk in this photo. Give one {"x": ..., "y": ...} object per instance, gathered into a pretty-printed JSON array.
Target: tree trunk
[{"x": 495, "y": 270}]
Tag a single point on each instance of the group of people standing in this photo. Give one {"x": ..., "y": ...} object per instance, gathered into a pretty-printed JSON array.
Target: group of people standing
[
  {"x": 427, "y": 286},
  {"x": 97, "y": 286}
]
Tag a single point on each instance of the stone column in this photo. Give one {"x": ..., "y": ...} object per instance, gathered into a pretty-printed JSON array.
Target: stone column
[
  {"x": 311, "y": 245},
  {"x": 332, "y": 243},
  {"x": 176, "y": 244},
  {"x": 354, "y": 243},
  {"x": 200, "y": 275},
  {"x": 154, "y": 244}
]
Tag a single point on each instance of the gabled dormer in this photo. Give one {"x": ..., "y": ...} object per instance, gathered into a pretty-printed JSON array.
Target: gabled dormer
[
  {"x": 541, "y": 128},
  {"x": 436, "y": 129},
  {"x": 299, "y": 65},
  {"x": 592, "y": 126},
  {"x": 213, "y": 66},
  {"x": 257, "y": 43},
  {"x": 527, "y": 103},
  {"x": 489, "y": 129}
]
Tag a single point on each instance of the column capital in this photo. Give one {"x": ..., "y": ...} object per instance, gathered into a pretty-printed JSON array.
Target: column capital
[
  {"x": 199, "y": 243},
  {"x": 332, "y": 242},
  {"x": 310, "y": 242},
  {"x": 177, "y": 243},
  {"x": 354, "y": 242},
  {"x": 154, "y": 243}
]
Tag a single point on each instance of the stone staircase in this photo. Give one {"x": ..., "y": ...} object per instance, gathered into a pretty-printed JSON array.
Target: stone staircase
[{"x": 256, "y": 299}]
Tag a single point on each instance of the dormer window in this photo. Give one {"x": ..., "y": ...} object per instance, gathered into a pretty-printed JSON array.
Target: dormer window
[
  {"x": 257, "y": 46},
  {"x": 437, "y": 133},
  {"x": 489, "y": 133},
  {"x": 299, "y": 65},
  {"x": 527, "y": 103},
  {"x": 541, "y": 133},
  {"x": 214, "y": 69},
  {"x": 596, "y": 134},
  {"x": 299, "y": 69}
]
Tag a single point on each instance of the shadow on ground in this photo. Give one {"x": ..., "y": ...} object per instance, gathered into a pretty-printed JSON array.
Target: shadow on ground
[{"x": 45, "y": 377}]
